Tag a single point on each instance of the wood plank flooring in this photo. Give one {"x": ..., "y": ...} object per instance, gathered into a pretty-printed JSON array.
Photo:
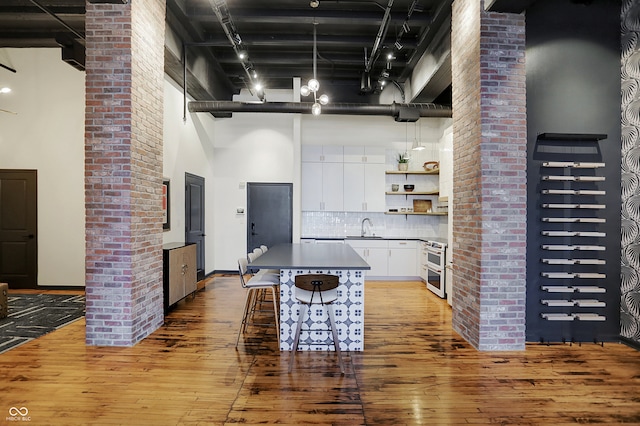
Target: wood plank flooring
[{"x": 415, "y": 371}]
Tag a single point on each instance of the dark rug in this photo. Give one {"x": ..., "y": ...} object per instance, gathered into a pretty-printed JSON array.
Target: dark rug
[{"x": 34, "y": 315}]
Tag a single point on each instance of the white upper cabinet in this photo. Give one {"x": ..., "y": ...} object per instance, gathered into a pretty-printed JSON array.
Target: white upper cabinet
[
  {"x": 322, "y": 153},
  {"x": 364, "y": 154},
  {"x": 322, "y": 186},
  {"x": 374, "y": 183},
  {"x": 322, "y": 178},
  {"x": 364, "y": 179},
  {"x": 364, "y": 187},
  {"x": 336, "y": 178},
  {"x": 354, "y": 197}
]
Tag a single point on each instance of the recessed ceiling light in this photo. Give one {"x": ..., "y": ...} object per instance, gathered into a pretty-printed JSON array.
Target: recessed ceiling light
[{"x": 5, "y": 90}]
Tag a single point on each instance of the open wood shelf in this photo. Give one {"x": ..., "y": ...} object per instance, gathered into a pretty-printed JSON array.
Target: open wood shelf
[
  {"x": 413, "y": 172},
  {"x": 413, "y": 193},
  {"x": 417, "y": 213}
]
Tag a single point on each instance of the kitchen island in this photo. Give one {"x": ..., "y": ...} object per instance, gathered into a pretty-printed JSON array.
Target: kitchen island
[{"x": 333, "y": 259}]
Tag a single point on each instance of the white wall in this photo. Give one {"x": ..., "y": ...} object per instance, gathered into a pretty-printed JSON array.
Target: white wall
[
  {"x": 188, "y": 148},
  {"x": 251, "y": 147},
  {"x": 47, "y": 135}
]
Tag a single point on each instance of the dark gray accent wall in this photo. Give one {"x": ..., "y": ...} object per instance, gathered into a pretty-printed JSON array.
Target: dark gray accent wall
[{"x": 573, "y": 87}]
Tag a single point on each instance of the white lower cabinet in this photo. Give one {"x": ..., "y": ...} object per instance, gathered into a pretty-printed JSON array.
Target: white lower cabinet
[
  {"x": 377, "y": 259},
  {"x": 388, "y": 259},
  {"x": 402, "y": 258},
  {"x": 375, "y": 253}
]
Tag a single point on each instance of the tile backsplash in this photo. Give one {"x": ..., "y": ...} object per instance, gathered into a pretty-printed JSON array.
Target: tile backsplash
[{"x": 343, "y": 224}]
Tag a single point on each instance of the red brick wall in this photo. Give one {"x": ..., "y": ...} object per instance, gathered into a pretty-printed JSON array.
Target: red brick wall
[
  {"x": 489, "y": 205},
  {"x": 467, "y": 212},
  {"x": 123, "y": 171}
]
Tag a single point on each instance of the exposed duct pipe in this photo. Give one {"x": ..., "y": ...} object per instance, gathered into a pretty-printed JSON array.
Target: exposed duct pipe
[{"x": 400, "y": 112}]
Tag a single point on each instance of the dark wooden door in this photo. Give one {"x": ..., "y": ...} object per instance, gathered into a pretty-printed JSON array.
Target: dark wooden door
[
  {"x": 194, "y": 217},
  {"x": 269, "y": 214},
  {"x": 18, "y": 228}
]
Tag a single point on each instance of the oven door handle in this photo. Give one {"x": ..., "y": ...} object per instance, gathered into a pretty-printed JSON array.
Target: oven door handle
[
  {"x": 434, "y": 250},
  {"x": 434, "y": 268}
]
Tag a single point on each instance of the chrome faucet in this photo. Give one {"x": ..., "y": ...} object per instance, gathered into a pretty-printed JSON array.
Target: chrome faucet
[{"x": 362, "y": 230}]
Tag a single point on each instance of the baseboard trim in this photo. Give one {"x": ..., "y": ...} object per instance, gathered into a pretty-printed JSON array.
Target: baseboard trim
[{"x": 224, "y": 271}]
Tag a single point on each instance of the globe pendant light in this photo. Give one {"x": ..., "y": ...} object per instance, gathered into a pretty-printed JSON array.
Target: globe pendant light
[{"x": 314, "y": 85}]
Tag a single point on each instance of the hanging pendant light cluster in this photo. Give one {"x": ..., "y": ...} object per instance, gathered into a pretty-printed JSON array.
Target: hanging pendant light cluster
[{"x": 314, "y": 85}]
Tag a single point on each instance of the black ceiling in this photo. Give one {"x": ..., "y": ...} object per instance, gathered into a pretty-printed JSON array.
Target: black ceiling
[{"x": 352, "y": 37}]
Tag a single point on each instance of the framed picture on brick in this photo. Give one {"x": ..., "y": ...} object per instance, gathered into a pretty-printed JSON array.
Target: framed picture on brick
[{"x": 166, "y": 224}]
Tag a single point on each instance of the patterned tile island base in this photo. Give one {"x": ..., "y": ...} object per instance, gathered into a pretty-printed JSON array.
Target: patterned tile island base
[{"x": 349, "y": 312}]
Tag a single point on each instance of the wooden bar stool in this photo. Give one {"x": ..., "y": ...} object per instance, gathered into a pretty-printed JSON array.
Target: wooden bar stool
[{"x": 316, "y": 289}]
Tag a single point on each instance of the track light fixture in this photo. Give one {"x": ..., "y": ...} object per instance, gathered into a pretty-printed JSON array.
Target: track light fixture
[
  {"x": 314, "y": 3},
  {"x": 314, "y": 85},
  {"x": 224, "y": 17}
]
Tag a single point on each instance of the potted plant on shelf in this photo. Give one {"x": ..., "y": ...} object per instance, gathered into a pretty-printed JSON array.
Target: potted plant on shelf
[{"x": 403, "y": 162}]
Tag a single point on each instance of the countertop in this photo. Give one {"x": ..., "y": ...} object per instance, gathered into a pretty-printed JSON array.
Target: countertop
[
  {"x": 310, "y": 256},
  {"x": 376, "y": 238}
]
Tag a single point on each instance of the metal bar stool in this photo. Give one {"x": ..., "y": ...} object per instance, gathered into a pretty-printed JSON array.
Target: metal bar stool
[
  {"x": 314, "y": 289},
  {"x": 254, "y": 285}
]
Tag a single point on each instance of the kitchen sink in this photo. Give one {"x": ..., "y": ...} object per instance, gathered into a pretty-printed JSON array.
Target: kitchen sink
[{"x": 366, "y": 237}]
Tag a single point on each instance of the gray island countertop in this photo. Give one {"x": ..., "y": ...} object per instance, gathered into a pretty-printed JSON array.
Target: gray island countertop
[
  {"x": 311, "y": 256},
  {"x": 374, "y": 238}
]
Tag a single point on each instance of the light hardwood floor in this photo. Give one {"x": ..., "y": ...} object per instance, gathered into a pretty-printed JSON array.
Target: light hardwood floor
[{"x": 415, "y": 370}]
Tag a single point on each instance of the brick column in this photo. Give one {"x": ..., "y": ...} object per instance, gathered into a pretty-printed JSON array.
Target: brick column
[
  {"x": 123, "y": 171},
  {"x": 489, "y": 183}
]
